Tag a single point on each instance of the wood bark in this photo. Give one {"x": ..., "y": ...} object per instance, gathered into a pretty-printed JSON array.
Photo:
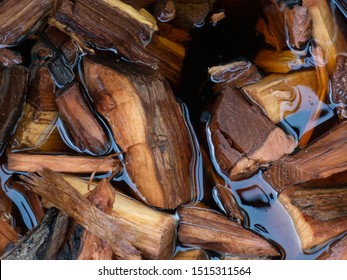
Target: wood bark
[
  {"x": 339, "y": 86},
  {"x": 210, "y": 230},
  {"x": 320, "y": 160},
  {"x": 243, "y": 138},
  {"x": 61, "y": 163},
  {"x": 148, "y": 125},
  {"x": 42, "y": 242},
  {"x": 20, "y": 19}
]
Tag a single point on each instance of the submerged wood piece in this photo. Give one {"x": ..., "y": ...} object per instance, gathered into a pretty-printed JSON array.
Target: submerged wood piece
[
  {"x": 319, "y": 160},
  {"x": 280, "y": 96},
  {"x": 228, "y": 203},
  {"x": 13, "y": 86},
  {"x": 93, "y": 247},
  {"x": 86, "y": 132},
  {"x": 7, "y": 235},
  {"x": 319, "y": 213},
  {"x": 210, "y": 230},
  {"x": 244, "y": 139},
  {"x": 62, "y": 43},
  {"x": 129, "y": 31},
  {"x": 173, "y": 33},
  {"x": 339, "y": 86},
  {"x": 19, "y": 18},
  {"x": 278, "y": 62},
  {"x": 273, "y": 26},
  {"x": 298, "y": 23},
  {"x": 153, "y": 231},
  {"x": 195, "y": 254},
  {"x": 164, "y": 10},
  {"x": 336, "y": 251},
  {"x": 235, "y": 74},
  {"x": 43, "y": 241},
  {"x": 61, "y": 163},
  {"x": 148, "y": 125},
  {"x": 9, "y": 57},
  {"x": 190, "y": 13},
  {"x": 54, "y": 188},
  {"x": 5, "y": 207},
  {"x": 324, "y": 31}
]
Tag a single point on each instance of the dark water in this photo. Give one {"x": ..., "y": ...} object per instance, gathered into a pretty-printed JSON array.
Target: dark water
[{"x": 211, "y": 45}]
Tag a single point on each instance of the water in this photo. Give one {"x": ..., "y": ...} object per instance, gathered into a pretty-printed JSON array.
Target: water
[{"x": 212, "y": 44}]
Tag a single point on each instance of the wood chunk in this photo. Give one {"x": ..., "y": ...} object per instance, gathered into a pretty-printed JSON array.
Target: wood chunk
[
  {"x": 190, "y": 13},
  {"x": 228, "y": 203},
  {"x": 237, "y": 74},
  {"x": 174, "y": 34},
  {"x": 5, "y": 207},
  {"x": 164, "y": 10},
  {"x": 278, "y": 62},
  {"x": 210, "y": 230},
  {"x": 153, "y": 231},
  {"x": 60, "y": 163},
  {"x": 319, "y": 213},
  {"x": 54, "y": 188},
  {"x": 42, "y": 242},
  {"x": 280, "y": 96},
  {"x": 93, "y": 247},
  {"x": 13, "y": 86},
  {"x": 325, "y": 32},
  {"x": 86, "y": 132},
  {"x": 298, "y": 23},
  {"x": 63, "y": 43},
  {"x": 7, "y": 235},
  {"x": 148, "y": 125},
  {"x": 244, "y": 139},
  {"x": 20, "y": 19},
  {"x": 339, "y": 86},
  {"x": 195, "y": 254},
  {"x": 88, "y": 21},
  {"x": 336, "y": 251},
  {"x": 9, "y": 57},
  {"x": 319, "y": 160},
  {"x": 273, "y": 27}
]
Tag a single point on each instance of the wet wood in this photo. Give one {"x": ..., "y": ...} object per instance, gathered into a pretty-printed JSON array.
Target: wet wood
[
  {"x": 319, "y": 213},
  {"x": 42, "y": 242},
  {"x": 229, "y": 203},
  {"x": 298, "y": 24},
  {"x": 153, "y": 231},
  {"x": 5, "y": 207},
  {"x": 164, "y": 10},
  {"x": 61, "y": 163},
  {"x": 93, "y": 247},
  {"x": 148, "y": 126},
  {"x": 54, "y": 188},
  {"x": 20, "y": 19},
  {"x": 280, "y": 96},
  {"x": 86, "y": 132},
  {"x": 62, "y": 43},
  {"x": 244, "y": 139},
  {"x": 325, "y": 31},
  {"x": 13, "y": 87},
  {"x": 7, "y": 235},
  {"x": 272, "y": 26},
  {"x": 237, "y": 74},
  {"x": 210, "y": 230},
  {"x": 86, "y": 21},
  {"x": 320, "y": 160},
  {"x": 173, "y": 33},
  {"x": 195, "y": 254},
  {"x": 339, "y": 86},
  {"x": 278, "y": 62},
  {"x": 9, "y": 57},
  {"x": 336, "y": 251}
]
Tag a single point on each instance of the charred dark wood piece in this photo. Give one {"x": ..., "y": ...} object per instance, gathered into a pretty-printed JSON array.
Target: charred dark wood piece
[{"x": 339, "y": 86}]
